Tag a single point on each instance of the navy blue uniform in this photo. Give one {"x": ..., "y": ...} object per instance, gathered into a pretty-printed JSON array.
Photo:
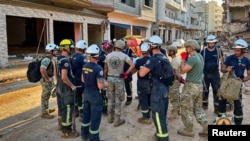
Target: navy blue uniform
[
  {"x": 158, "y": 99},
  {"x": 211, "y": 74},
  {"x": 65, "y": 95},
  {"x": 240, "y": 65},
  {"x": 101, "y": 60},
  {"x": 143, "y": 88},
  {"x": 92, "y": 104},
  {"x": 128, "y": 81},
  {"x": 78, "y": 60}
]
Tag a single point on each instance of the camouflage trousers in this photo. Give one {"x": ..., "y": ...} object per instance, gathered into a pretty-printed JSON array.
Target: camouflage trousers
[
  {"x": 191, "y": 104},
  {"x": 46, "y": 92},
  {"x": 174, "y": 93},
  {"x": 115, "y": 94}
]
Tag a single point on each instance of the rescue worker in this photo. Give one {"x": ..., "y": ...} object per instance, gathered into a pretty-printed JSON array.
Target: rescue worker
[
  {"x": 144, "y": 85},
  {"x": 78, "y": 61},
  {"x": 238, "y": 63},
  {"x": 159, "y": 93},
  {"x": 113, "y": 71},
  {"x": 192, "y": 63},
  {"x": 174, "y": 90},
  {"x": 65, "y": 89},
  {"x": 47, "y": 71},
  {"x": 107, "y": 47},
  {"x": 128, "y": 81},
  {"x": 212, "y": 57},
  {"x": 92, "y": 101}
]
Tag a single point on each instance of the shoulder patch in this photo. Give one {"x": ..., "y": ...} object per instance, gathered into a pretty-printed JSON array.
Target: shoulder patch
[
  {"x": 101, "y": 73},
  {"x": 66, "y": 65},
  {"x": 148, "y": 61}
]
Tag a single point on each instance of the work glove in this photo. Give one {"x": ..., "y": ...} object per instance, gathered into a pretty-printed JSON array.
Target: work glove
[
  {"x": 184, "y": 56},
  {"x": 125, "y": 75},
  {"x": 181, "y": 80}
]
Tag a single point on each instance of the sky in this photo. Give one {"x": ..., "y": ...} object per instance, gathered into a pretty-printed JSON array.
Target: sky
[{"x": 218, "y": 1}]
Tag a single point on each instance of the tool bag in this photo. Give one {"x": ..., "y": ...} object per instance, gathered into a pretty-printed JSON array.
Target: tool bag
[{"x": 230, "y": 86}]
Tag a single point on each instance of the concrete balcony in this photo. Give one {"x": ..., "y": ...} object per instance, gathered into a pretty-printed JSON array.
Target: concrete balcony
[
  {"x": 99, "y": 5},
  {"x": 195, "y": 16},
  {"x": 172, "y": 4},
  {"x": 183, "y": 9},
  {"x": 173, "y": 21},
  {"x": 199, "y": 10},
  {"x": 192, "y": 2},
  {"x": 239, "y": 4}
]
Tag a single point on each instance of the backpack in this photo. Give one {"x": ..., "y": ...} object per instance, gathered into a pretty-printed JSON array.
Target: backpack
[
  {"x": 33, "y": 72},
  {"x": 230, "y": 86},
  {"x": 167, "y": 76}
]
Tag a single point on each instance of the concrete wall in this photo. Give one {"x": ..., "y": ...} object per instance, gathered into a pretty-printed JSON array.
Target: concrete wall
[{"x": 49, "y": 13}]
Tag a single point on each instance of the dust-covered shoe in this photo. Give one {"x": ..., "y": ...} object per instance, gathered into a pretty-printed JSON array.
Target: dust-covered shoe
[
  {"x": 186, "y": 132},
  {"x": 47, "y": 116},
  {"x": 52, "y": 110},
  {"x": 70, "y": 134},
  {"x": 144, "y": 121},
  {"x": 128, "y": 102}
]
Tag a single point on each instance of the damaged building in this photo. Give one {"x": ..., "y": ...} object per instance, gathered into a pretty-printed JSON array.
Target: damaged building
[{"x": 236, "y": 20}]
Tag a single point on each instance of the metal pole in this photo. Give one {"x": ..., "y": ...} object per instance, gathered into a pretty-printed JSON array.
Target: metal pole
[{"x": 40, "y": 38}]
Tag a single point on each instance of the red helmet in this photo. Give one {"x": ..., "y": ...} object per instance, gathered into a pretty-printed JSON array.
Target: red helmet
[{"x": 107, "y": 45}]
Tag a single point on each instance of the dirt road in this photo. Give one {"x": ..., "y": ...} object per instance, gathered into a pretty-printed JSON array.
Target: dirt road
[{"x": 20, "y": 120}]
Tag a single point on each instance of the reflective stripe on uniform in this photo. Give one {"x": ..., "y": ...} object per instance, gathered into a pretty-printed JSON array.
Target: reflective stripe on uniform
[
  {"x": 67, "y": 123},
  {"x": 158, "y": 123},
  {"x": 85, "y": 124},
  {"x": 80, "y": 108},
  {"x": 93, "y": 132},
  {"x": 144, "y": 111},
  {"x": 221, "y": 113},
  {"x": 238, "y": 116}
]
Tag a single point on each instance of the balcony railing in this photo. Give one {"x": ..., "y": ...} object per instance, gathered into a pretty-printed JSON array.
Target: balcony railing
[
  {"x": 175, "y": 21},
  {"x": 195, "y": 16},
  {"x": 173, "y": 4},
  {"x": 238, "y": 4}
]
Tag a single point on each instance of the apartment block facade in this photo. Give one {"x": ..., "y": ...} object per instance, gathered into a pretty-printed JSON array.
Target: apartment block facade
[
  {"x": 176, "y": 19},
  {"x": 215, "y": 16},
  {"x": 33, "y": 23}
]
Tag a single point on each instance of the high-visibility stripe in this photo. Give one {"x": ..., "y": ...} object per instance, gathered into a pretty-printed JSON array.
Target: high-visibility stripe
[
  {"x": 158, "y": 123},
  {"x": 238, "y": 116},
  {"x": 221, "y": 113},
  {"x": 93, "y": 132},
  {"x": 144, "y": 111},
  {"x": 68, "y": 122},
  {"x": 85, "y": 124},
  {"x": 80, "y": 108}
]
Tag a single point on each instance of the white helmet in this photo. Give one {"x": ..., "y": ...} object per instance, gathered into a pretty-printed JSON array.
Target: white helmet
[
  {"x": 93, "y": 50},
  {"x": 144, "y": 47},
  {"x": 211, "y": 39},
  {"x": 240, "y": 43},
  {"x": 155, "y": 40},
  {"x": 81, "y": 44},
  {"x": 50, "y": 47}
]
